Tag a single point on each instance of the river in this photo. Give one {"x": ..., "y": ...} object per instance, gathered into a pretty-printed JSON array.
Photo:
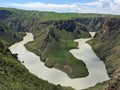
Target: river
[{"x": 96, "y": 68}]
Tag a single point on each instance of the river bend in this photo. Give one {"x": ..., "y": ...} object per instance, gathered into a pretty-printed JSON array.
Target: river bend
[{"x": 96, "y": 68}]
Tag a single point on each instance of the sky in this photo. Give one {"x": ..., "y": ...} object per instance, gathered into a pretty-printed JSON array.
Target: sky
[{"x": 74, "y": 6}]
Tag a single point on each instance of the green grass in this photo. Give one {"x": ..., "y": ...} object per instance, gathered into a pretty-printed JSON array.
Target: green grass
[{"x": 56, "y": 53}]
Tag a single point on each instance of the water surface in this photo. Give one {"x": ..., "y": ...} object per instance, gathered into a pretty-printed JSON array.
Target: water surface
[{"x": 96, "y": 68}]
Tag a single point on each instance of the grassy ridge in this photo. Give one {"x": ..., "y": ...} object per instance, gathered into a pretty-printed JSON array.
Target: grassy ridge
[
  {"x": 47, "y": 16},
  {"x": 53, "y": 46}
]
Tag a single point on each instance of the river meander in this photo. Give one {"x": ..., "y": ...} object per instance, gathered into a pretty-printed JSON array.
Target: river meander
[{"x": 96, "y": 68}]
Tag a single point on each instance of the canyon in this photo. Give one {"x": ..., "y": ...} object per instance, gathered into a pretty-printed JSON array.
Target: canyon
[{"x": 48, "y": 32}]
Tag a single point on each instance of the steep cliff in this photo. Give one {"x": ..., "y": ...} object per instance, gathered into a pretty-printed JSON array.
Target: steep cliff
[
  {"x": 92, "y": 24},
  {"x": 107, "y": 46},
  {"x": 4, "y": 14},
  {"x": 22, "y": 20}
]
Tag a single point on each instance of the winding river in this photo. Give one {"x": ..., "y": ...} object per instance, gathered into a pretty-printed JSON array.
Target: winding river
[{"x": 96, "y": 68}]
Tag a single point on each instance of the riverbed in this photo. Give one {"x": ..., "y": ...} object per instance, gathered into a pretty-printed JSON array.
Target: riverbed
[{"x": 96, "y": 68}]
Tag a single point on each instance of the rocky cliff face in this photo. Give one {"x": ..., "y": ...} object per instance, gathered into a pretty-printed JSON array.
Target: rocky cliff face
[
  {"x": 92, "y": 24},
  {"x": 107, "y": 46},
  {"x": 4, "y": 14},
  {"x": 68, "y": 25},
  {"x": 7, "y": 35},
  {"x": 23, "y": 23}
]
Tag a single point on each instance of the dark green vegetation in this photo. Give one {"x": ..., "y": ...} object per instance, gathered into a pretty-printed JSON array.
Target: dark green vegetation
[
  {"x": 13, "y": 75},
  {"x": 54, "y": 34},
  {"x": 106, "y": 44}
]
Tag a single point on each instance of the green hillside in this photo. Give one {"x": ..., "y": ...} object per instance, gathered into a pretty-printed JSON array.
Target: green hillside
[{"x": 13, "y": 75}]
